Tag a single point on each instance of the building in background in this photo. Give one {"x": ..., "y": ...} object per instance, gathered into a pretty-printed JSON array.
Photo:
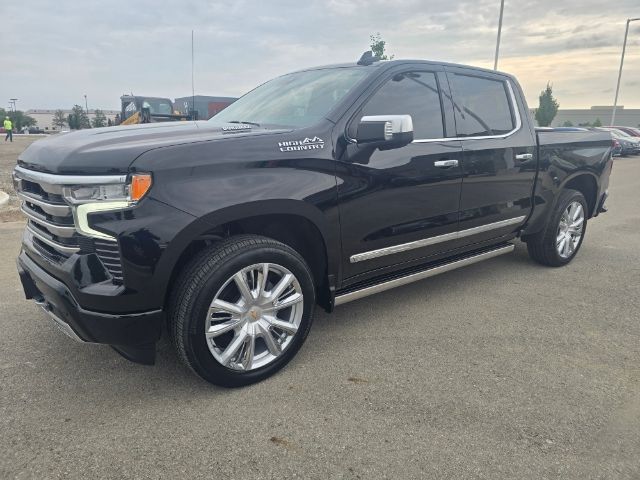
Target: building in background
[
  {"x": 629, "y": 117},
  {"x": 206, "y": 106},
  {"x": 45, "y": 118}
]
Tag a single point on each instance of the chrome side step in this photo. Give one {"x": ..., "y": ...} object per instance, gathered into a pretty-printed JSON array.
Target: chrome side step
[{"x": 414, "y": 277}]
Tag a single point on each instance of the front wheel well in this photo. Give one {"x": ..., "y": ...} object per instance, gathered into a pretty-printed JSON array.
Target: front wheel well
[
  {"x": 586, "y": 185},
  {"x": 294, "y": 231}
]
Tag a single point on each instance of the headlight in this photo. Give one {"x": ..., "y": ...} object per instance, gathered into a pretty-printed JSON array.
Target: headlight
[
  {"x": 86, "y": 199},
  {"x": 130, "y": 192}
]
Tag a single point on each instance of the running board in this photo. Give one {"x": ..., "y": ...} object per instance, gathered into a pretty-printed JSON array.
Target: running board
[{"x": 414, "y": 277}]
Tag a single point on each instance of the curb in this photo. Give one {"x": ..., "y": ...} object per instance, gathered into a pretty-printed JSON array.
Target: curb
[{"x": 4, "y": 199}]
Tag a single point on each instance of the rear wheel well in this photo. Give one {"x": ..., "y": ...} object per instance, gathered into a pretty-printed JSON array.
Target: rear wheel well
[
  {"x": 586, "y": 185},
  {"x": 293, "y": 230}
]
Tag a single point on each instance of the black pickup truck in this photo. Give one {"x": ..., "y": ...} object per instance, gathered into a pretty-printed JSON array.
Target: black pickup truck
[{"x": 319, "y": 187}]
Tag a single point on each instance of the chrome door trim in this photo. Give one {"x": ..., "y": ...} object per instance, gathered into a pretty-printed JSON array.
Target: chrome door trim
[
  {"x": 403, "y": 247},
  {"x": 516, "y": 113},
  {"x": 397, "y": 282}
]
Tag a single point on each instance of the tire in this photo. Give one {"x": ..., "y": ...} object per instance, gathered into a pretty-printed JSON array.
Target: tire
[
  {"x": 216, "y": 274},
  {"x": 545, "y": 248}
]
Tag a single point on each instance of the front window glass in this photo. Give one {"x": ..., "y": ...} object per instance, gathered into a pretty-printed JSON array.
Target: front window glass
[
  {"x": 295, "y": 100},
  {"x": 411, "y": 93}
]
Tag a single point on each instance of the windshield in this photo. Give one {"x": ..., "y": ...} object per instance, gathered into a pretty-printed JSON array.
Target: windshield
[{"x": 295, "y": 100}]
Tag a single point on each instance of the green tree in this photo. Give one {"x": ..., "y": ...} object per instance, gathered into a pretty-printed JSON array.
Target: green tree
[
  {"x": 78, "y": 119},
  {"x": 59, "y": 119},
  {"x": 378, "y": 47},
  {"x": 548, "y": 108},
  {"x": 567, "y": 124},
  {"x": 597, "y": 123},
  {"x": 99, "y": 120}
]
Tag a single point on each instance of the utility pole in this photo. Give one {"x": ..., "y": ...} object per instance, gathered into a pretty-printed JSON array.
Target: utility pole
[
  {"x": 495, "y": 62},
  {"x": 624, "y": 48}
]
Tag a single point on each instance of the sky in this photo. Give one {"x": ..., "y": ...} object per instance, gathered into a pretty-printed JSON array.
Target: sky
[{"x": 53, "y": 53}]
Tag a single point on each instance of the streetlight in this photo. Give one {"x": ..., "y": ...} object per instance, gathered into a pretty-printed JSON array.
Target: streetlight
[
  {"x": 624, "y": 47},
  {"x": 495, "y": 62},
  {"x": 86, "y": 106}
]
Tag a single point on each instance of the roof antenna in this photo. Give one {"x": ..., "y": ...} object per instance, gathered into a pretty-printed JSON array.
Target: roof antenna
[{"x": 367, "y": 58}]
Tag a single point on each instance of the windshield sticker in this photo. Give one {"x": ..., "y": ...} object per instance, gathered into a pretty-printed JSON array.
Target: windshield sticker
[{"x": 315, "y": 143}]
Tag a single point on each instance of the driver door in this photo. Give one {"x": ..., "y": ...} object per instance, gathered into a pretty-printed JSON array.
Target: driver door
[{"x": 401, "y": 205}]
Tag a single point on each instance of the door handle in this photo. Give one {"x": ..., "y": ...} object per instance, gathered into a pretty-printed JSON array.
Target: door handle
[
  {"x": 524, "y": 156},
  {"x": 445, "y": 163}
]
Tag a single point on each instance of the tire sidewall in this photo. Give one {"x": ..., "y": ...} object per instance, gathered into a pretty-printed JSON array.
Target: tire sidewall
[
  {"x": 571, "y": 196},
  {"x": 193, "y": 335}
]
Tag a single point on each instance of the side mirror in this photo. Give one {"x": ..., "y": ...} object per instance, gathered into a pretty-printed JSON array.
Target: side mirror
[{"x": 385, "y": 131}]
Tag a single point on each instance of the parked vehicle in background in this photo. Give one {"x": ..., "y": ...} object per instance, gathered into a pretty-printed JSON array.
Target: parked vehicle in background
[
  {"x": 630, "y": 145},
  {"x": 617, "y": 148},
  {"x": 634, "y": 132},
  {"x": 319, "y": 187},
  {"x": 136, "y": 109}
]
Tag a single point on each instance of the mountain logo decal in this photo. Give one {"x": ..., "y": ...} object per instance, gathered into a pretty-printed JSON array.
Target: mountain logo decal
[{"x": 315, "y": 143}]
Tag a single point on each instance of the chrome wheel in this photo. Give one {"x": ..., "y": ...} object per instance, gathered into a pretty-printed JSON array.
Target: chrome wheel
[
  {"x": 570, "y": 230},
  {"x": 254, "y": 316}
]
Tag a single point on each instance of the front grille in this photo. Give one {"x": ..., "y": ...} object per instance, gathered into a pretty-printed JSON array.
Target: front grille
[
  {"x": 50, "y": 223},
  {"x": 49, "y": 218}
]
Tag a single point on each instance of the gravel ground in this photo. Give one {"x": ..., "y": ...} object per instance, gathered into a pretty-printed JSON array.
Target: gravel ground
[{"x": 505, "y": 369}]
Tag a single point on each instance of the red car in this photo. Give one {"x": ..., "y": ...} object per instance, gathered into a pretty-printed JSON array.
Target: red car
[{"x": 634, "y": 132}]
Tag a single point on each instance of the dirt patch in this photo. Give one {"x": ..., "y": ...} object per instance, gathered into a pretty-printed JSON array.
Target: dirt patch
[{"x": 8, "y": 157}]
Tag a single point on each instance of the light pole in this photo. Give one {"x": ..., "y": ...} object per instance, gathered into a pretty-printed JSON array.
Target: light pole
[
  {"x": 624, "y": 48},
  {"x": 495, "y": 62},
  {"x": 86, "y": 105},
  {"x": 13, "y": 103}
]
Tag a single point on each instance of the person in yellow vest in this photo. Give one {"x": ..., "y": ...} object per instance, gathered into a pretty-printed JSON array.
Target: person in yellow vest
[{"x": 8, "y": 127}]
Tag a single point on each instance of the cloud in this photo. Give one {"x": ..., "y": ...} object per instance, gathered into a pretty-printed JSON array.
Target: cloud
[{"x": 55, "y": 52}]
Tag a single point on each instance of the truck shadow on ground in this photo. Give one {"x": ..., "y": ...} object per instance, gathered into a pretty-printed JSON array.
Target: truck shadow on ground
[{"x": 92, "y": 368}]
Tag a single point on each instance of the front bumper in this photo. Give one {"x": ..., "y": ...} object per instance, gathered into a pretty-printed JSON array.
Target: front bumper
[{"x": 127, "y": 332}]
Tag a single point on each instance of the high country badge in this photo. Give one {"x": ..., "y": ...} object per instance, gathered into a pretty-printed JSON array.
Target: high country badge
[{"x": 315, "y": 143}]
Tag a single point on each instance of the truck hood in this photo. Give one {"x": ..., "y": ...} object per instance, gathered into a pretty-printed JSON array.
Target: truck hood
[{"x": 111, "y": 150}]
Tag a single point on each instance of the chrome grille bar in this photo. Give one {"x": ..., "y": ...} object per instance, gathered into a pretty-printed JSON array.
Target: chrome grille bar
[
  {"x": 57, "y": 230},
  {"x": 55, "y": 209},
  {"x": 50, "y": 179},
  {"x": 67, "y": 250}
]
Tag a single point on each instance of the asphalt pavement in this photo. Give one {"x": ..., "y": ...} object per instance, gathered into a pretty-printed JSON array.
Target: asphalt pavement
[{"x": 505, "y": 369}]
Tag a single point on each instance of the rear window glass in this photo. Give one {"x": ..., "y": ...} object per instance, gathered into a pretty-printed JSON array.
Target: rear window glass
[{"x": 482, "y": 106}]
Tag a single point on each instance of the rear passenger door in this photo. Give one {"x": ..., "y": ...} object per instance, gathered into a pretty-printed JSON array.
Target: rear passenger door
[{"x": 499, "y": 155}]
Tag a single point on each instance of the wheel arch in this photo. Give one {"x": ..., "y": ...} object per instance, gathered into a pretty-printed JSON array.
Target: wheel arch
[
  {"x": 587, "y": 184},
  {"x": 295, "y": 223}
]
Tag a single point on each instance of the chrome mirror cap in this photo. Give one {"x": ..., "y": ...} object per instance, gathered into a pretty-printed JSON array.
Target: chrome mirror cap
[{"x": 393, "y": 124}]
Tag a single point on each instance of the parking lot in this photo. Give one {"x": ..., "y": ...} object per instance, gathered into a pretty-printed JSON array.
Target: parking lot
[{"x": 505, "y": 369}]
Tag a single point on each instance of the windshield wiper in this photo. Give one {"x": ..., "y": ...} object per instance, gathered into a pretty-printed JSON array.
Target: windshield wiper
[{"x": 248, "y": 123}]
